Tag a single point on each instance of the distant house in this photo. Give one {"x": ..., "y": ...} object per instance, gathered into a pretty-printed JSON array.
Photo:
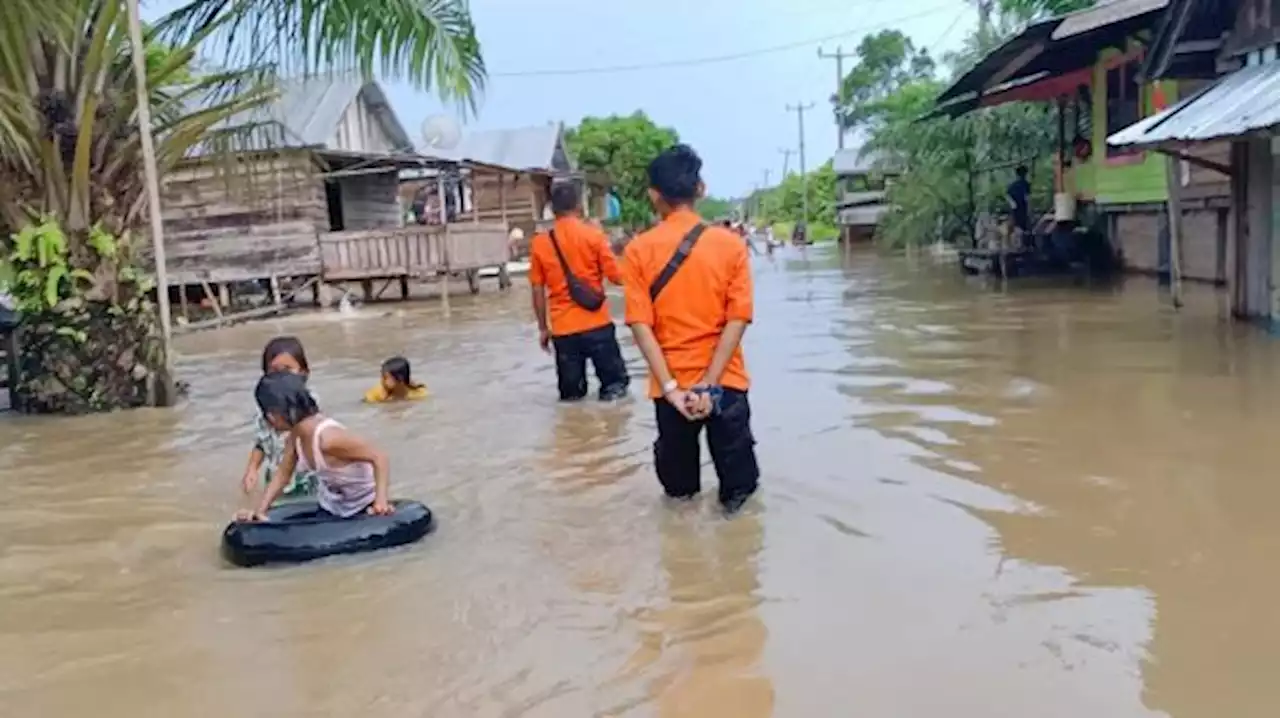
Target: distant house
[
  {"x": 861, "y": 184},
  {"x": 261, "y": 218},
  {"x": 521, "y": 199},
  {"x": 1231, "y": 50},
  {"x": 312, "y": 195},
  {"x": 1087, "y": 65}
]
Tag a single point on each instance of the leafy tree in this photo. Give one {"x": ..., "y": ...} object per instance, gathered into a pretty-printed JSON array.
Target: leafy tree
[
  {"x": 717, "y": 207},
  {"x": 785, "y": 203},
  {"x": 622, "y": 147},
  {"x": 887, "y": 61},
  {"x": 952, "y": 171}
]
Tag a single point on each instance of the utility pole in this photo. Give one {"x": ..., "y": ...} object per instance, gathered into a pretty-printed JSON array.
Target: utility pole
[
  {"x": 786, "y": 159},
  {"x": 166, "y": 393},
  {"x": 760, "y": 195},
  {"x": 799, "y": 109},
  {"x": 839, "y": 57}
]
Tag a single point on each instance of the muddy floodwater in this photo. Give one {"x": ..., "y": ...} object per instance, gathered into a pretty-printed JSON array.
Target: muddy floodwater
[{"x": 975, "y": 504}]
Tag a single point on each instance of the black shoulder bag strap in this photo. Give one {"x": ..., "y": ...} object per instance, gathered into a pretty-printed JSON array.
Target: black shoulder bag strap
[
  {"x": 564, "y": 263},
  {"x": 677, "y": 259},
  {"x": 581, "y": 293}
]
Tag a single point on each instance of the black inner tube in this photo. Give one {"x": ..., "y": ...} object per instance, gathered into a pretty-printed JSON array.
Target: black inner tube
[{"x": 302, "y": 531}]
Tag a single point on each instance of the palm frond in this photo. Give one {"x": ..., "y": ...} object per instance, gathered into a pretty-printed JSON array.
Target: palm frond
[{"x": 431, "y": 43}]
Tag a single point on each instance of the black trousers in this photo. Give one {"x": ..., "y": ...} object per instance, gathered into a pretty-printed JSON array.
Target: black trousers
[
  {"x": 600, "y": 345},
  {"x": 677, "y": 455}
]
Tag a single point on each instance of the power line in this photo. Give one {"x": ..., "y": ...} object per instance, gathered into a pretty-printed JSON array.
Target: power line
[
  {"x": 689, "y": 62},
  {"x": 947, "y": 33}
]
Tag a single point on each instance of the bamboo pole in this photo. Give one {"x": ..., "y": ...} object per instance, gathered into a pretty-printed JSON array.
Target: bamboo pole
[{"x": 165, "y": 396}]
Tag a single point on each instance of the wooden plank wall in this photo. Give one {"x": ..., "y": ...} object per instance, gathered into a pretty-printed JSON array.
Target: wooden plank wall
[
  {"x": 477, "y": 245},
  {"x": 370, "y": 201},
  {"x": 416, "y": 250},
  {"x": 247, "y": 221},
  {"x": 367, "y": 254},
  {"x": 1204, "y": 184},
  {"x": 523, "y": 194},
  {"x": 360, "y": 130}
]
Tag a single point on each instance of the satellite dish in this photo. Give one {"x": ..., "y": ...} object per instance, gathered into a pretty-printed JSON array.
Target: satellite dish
[{"x": 441, "y": 132}]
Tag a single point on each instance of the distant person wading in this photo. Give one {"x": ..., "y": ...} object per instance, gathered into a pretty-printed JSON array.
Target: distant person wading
[
  {"x": 689, "y": 301},
  {"x": 567, "y": 269}
]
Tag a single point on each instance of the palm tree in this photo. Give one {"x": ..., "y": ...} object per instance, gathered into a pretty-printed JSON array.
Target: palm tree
[{"x": 71, "y": 185}]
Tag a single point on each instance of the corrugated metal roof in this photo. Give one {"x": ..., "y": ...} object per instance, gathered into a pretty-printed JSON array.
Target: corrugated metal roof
[
  {"x": 1104, "y": 14},
  {"x": 309, "y": 111},
  {"x": 1244, "y": 101},
  {"x": 525, "y": 148},
  {"x": 1048, "y": 48},
  {"x": 852, "y": 161},
  {"x": 865, "y": 216}
]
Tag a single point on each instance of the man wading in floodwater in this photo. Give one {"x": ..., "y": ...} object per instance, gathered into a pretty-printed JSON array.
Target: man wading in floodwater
[
  {"x": 688, "y": 291},
  {"x": 567, "y": 269}
]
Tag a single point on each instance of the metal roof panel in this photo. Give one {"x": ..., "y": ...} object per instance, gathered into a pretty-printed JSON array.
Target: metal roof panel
[{"x": 1245, "y": 101}]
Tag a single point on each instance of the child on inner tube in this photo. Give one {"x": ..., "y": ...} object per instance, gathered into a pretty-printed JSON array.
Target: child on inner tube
[
  {"x": 396, "y": 383},
  {"x": 352, "y": 474},
  {"x": 281, "y": 354}
]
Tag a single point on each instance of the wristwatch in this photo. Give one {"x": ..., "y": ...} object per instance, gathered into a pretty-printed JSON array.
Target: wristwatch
[{"x": 670, "y": 386}]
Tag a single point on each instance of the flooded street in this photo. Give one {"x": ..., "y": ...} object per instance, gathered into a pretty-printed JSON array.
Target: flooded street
[{"x": 1048, "y": 502}]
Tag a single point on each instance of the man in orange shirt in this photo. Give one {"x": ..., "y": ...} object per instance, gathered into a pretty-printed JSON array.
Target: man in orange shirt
[
  {"x": 567, "y": 269},
  {"x": 688, "y": 297}
]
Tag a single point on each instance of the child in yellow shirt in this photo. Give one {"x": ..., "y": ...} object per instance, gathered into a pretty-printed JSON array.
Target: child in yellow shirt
[{"x": 396, "y": 384}]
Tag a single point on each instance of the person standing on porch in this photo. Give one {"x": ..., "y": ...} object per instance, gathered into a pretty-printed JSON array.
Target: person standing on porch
[
  {"x": 689, "y": 301},
  {"x": 567, "y": 269},
  {"x": 1019, "y": 194}
]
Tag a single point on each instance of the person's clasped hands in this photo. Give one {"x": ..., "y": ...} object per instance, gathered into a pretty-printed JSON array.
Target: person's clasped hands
[{"x": 695, "y": 404}]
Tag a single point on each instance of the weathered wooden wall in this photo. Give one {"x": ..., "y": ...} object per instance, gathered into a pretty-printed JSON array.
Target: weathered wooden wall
[
  {"x": 370, "y": 201},
  {"x": 413, "y": 251},
  {"x": 522, "y": 193},
  {"x": 370, "y": 254},
  {"x": 250, "y": 220},
  {"x": 1257, "y": 26},
  {"x": 360, "y": 130},
  {"x": 1139, "y": 236},
  {"x": 1204, "y": 185}
]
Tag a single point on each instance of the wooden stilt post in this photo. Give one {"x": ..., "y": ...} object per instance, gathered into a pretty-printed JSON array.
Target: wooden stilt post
[
  {"x": 504, "y": 275},
  {"x": 182, "y": 302},
  {"x": 444, "y": 235},
  {"x": 213, "y": 299},
  {"x": 275, "y": 290},
  {"x": 224, "y": 296},
  {"x": 1175, "y": 229}
]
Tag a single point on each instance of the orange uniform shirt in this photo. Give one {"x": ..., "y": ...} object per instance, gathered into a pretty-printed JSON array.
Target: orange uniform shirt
[
  {"x": 587, "y": 251},
  {"x": 711, "y": 288}
]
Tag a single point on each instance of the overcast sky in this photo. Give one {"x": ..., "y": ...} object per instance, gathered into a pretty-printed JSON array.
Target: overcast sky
[{"x": 733, "y": 112}]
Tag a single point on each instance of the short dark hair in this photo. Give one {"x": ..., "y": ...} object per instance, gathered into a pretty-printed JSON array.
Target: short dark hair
[
  {"x": 676, "y": 174},
  {"x": 565, "y": 197},
  {"x": 291, "y": 346},
  {"x": 1021, "y": 171},
  {"x": 285, "y": 394}
]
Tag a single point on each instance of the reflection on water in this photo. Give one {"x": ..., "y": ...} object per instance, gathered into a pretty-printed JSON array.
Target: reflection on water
[{"x": 1037, "y": 502}]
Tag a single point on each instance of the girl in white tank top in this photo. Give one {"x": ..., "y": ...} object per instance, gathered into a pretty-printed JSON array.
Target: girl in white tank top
[{"x": 352, "y": 474}]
